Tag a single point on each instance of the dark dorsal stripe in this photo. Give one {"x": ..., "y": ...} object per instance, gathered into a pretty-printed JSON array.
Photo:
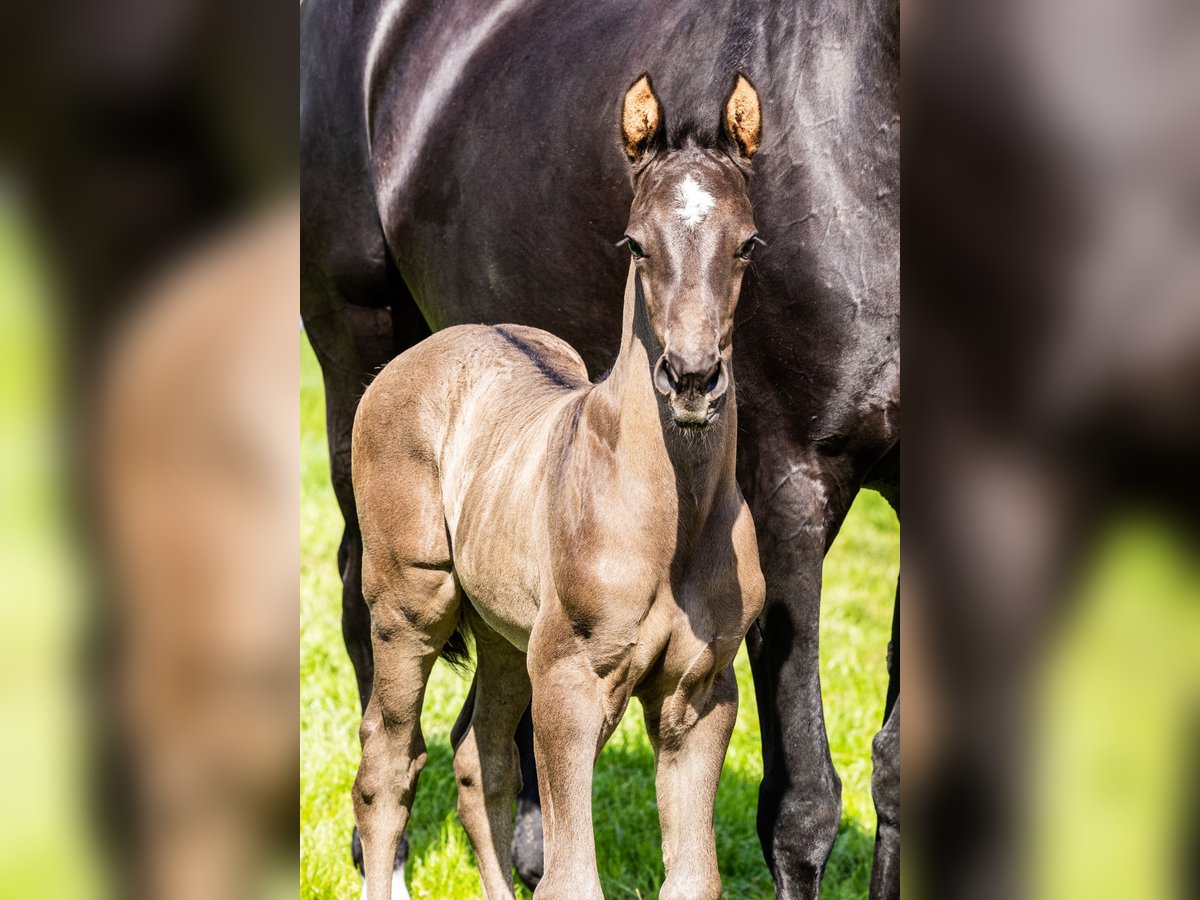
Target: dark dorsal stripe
[{"x": 536, "y": 358}]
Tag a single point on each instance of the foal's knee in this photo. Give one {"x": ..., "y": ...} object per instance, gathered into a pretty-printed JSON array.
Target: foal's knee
[
  {"x": 490, "y": 772},
  {"x": 392, "y": 760}
]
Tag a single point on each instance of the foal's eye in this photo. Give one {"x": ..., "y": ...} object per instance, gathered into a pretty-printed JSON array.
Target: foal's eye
[
  {"x": 635, "y": 249},
  {"x": 747, "y": 248}
]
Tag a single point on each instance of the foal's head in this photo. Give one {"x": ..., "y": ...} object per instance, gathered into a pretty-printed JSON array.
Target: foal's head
[{"x": 691, "y": 234}]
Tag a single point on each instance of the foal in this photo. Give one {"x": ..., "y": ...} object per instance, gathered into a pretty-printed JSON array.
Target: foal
[{"x": 592, "y": 537}]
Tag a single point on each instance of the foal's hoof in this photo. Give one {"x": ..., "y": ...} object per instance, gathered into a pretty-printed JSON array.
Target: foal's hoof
[
  {"x": 399, "y": 888},
  {"x": 527, "y": 844}
]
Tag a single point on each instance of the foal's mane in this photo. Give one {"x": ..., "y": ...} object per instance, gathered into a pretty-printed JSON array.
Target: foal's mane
[
  {"x": 703, "y": 134},
  {"x": 694, "y": 131}
]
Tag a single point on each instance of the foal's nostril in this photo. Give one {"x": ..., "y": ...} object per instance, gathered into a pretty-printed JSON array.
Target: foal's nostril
[
  {"x": 665, "y": 381},
  {"x": 713, "y": 379},
  {"x": 673, "y": 379}
]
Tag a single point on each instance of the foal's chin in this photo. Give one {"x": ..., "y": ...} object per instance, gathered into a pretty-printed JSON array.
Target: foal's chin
[{"x": 693, "y": 416}]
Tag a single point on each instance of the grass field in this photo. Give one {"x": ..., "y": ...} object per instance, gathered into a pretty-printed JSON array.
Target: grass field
[{"x": 860, "y": 577}]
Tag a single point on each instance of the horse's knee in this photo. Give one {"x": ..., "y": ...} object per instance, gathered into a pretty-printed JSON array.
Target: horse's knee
[
  {"x": 797, "y": 825},
  {"x": 490, "y": 771},
  {"x": 885, "y": 774},
  {"x": 800, "y": 815},
  {"x": 386, "y": 782},
  {"x": 885, "y": 789},
  {"x": 392, "y": 759}
]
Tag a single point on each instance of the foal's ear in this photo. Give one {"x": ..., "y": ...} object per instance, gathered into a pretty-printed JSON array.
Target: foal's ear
[
  {"x": 743, "y": 116},
  {"x": 641, "y": 119}
]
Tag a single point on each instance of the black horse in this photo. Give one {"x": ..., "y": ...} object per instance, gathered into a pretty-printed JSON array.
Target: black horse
[{"x": 459, "y": 164}]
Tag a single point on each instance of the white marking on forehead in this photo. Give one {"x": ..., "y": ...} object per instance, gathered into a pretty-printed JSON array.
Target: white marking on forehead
[{"x": 694, "y": 202}]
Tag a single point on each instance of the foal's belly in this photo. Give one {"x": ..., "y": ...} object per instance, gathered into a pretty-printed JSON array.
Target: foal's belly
[
  {"x": 491, "y": 499},
  {"x": 495, "y": 554},
  {"x": 506, "y": 603}
]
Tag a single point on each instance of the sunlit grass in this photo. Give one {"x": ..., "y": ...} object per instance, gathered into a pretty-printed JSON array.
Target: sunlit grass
[{"x": 860, "y": 577}]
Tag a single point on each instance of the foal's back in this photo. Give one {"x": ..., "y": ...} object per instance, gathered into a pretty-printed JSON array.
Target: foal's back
[{"x": 449, "y": 447}]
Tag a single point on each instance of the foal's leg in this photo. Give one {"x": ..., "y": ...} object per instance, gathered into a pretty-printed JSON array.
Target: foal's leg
[
  {"x": 574, "y": 714},
  {"x": 485, "y": 757},
  {"x": 352, "y": 343},
  {"x": 687, "y": 767},
  {"x": 411, "y": 621},
  {"x": 527, "y": 833}
]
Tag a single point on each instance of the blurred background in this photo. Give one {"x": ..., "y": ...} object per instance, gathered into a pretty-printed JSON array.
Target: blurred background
[
  {"x": 148, "y": 429},
  {"x": 150, "y": 481},
  {"x": 1051, "y": 290}
]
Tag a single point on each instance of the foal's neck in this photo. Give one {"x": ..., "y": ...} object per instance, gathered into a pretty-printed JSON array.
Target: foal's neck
[{"x": 702, "y": 461}]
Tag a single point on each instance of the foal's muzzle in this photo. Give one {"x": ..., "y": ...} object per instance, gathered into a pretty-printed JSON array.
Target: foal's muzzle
[{"x": 695, "y": 388}]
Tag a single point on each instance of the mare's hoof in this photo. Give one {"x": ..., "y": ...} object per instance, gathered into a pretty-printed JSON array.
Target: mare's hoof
[{"x": 527, "y": 844}]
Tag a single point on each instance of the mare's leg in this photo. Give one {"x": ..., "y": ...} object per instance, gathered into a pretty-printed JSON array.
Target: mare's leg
[
  {"x": 885, "y": 778},
  {"x": 485, "y": 756},
  {"x": 800, "y": 800},
  {"x": 574, "y": 714},
  {"x": 527, "y": 845},
  {"x": 351, "y": 343},
  {"x": 688, "y": 764}
]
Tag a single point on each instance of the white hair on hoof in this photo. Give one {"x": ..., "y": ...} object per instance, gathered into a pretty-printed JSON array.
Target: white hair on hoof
[{"x": 694, "y": 202}]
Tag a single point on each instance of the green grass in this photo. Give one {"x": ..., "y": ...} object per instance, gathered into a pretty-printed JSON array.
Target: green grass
[{"x": 860, "y": 577}]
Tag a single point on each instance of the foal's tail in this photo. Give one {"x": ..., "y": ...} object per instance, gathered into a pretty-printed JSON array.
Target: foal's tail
[{"x": 457, "y": 649}]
